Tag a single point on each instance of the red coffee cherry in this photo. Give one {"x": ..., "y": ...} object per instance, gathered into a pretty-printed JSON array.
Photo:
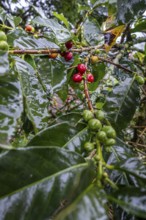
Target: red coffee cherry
[
  {"x": 81, "y": 68},
  {"x": 77, "y": 77},
  {"x": 68, "y": 56},
  {"x": 90, "y": 77},
  {"x": 69, "y": 44},
  {"x": 29, "y": 28}
]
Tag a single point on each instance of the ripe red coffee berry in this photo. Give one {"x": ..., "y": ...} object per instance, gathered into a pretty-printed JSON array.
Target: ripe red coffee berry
[
  {"x": 77, "y": 77},
  {"x": 68, "y": 56},
  {"x": 81, "y": 68},
  {"x": 69, "y": 44},
  {"x": 90, "y": 77},
  {"x": 29, "y": 28}
]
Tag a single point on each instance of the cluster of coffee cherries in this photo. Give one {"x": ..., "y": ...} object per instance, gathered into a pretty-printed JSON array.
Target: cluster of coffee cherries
[
  {"x": 100, "y": 130},
  {"x": 79, "y": 76},
  {"x": 67, "y": 54},
  {"x": 3, "y": 42}
]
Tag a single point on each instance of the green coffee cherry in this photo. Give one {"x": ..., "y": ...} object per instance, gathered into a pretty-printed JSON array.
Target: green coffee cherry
[
  {"x": 3, "y": 36},
  {"x": 140, "y": 80},
  {"x": 96, "y": 157},
  {"x": 88, "y": 146},
  {"x": 100, "y": 115},
  {"x": 108, "y": 149},
  {"x": 87, "y": 115},
  {"x": 110, "y": 132},
  {"x": 94, "y": 124},
  {"x": 105, "y": 175},
  {"x": 110, "y": 142},
  {"x": 4, "y": 46},
  {"x": 101, "y": 136}
]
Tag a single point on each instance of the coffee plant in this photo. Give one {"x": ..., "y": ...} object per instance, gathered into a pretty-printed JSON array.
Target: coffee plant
[{"x": 73, "y": 113}]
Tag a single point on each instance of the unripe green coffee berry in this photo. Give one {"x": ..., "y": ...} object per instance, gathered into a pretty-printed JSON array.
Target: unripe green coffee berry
[
  {"x": 140, "y": 80},
  {"x": 94, "y": 124},
  {"x": 108, "y": 149},
  {"x": 94, "y": 161},
  {"x": 110, "y": 132},
  {"x": 96, "y": 157},
  {"x": 134, "y": 36},
  {"x": 105, "y": 175},
  {"x": 87, "y": 115},
  {"x": 88, "y": 146},
  {"x": 110, "y": 142},
  {"x": 100, "y": 115},
  {"x": 3, "y": 36},
  {"x": 4, "y": 46},
  {"x": 101, "y": 136}
]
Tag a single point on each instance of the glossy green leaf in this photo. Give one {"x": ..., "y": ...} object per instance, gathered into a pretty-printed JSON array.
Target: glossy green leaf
[
  {"x": 23, "y": 166},
  {"x": 99, "y": 71},
  {"x": 10, "y": 19},
  {"x": 135, "y": 167},
  {"x": 33, "y": 43},
  {"x": 89, "y": 205},
  {"x": 127, "y": 10},
  {"x": 17, "y": 21},
  {"x": 55, "y": 135},
  {"x": 65, "y": 132},
  {"x": 39, "y": 11},
  {"x": 91, "y": 32},
  {"x": 40, "y": 181},
  {"x": 6, "y": 17},
  {"x": 30, "y": 59},
  {"x": 10, "y": 106},
  {"x": 120, "y": 152},
  {"x": 131, "y": 199},
  {"x": 4, "y": 63},
  {"x": 61, "y": 33},
  {"x": 2, "y": 14},
  {"x": 69, "y": 9},
  {"x": 100, "y": 2},
  {"x": 15, "y": 34},
  {"x": 35, "y": 98},
  {"x": 129, "y": 170},
  {"x": 61, "y": 18},
  {"x": 53, "y": 74},
  {"x": 140, "y": 27},
  {"x": 121, "y": 214},
  {"x": 121, "y": 103}
]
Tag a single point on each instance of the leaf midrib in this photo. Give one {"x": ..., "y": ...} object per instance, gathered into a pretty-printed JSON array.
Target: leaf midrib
[{"x": 47, "y": 178}]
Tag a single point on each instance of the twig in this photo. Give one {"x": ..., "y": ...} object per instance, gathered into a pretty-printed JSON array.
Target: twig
[
  {"x": 136, "y": 144},
  {"x": 52, "y": 50},
  {"x": 139, "y": 126},
  {"x": 86, "y": 91},
  {"x": 79, "y": 50},
  {"x": 115, "y": 64},
  {"x": 125, "y": 33}
]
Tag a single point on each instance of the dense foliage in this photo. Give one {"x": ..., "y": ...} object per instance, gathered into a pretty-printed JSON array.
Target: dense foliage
[{"x": 73, "y": 110}]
